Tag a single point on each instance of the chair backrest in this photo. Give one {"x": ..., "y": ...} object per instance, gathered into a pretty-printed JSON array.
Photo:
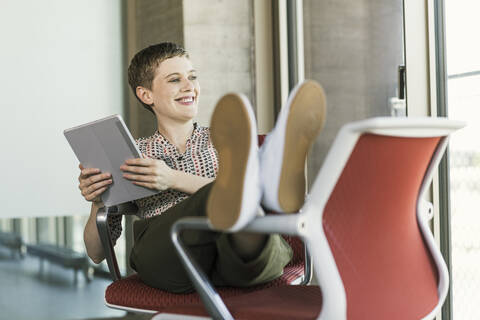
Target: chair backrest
[
  {"x": 378, "y": 170},
  {"x": 374, "y": 236}
]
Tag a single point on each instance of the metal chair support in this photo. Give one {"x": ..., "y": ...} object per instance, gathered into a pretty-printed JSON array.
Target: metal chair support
[
  {"x": 210, "y": 298},
  {"x": 308, "y": 268},
  {"x": 106, "y": 239},
  {"x": 105, "y": 235}
]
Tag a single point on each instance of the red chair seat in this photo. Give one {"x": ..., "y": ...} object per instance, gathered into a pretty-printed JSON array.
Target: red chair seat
[
  {"x": 280, "y": 303},
  {"x": 131, "y": 292}
]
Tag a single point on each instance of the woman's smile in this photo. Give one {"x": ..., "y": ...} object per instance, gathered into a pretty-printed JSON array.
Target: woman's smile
[{"x": 186, "y": 101}]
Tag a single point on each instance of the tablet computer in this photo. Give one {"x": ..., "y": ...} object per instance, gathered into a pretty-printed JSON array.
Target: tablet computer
[{"x": 106, "y": 144}]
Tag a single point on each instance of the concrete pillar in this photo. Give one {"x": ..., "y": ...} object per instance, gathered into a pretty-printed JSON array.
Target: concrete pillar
[
  {"x": 353, "y": 48},
  {"x": 149, "y": 22},
  {"x": 218, "y": 34}
]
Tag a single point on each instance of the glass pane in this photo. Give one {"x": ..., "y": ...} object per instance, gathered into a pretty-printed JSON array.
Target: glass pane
[
  {"x": 463, "y": 66},
  {"x": 25, "y": 276},
  {"x": 464, "y": 100}
]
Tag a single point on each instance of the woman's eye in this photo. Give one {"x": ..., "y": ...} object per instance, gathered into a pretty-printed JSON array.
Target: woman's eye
[
  {"x": 174, "y": 80},
  {"x": 193, "y": 77}
]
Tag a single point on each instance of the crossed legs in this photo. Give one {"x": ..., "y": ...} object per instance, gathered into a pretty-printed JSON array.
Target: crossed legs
[{"x": 156, "y": 262}]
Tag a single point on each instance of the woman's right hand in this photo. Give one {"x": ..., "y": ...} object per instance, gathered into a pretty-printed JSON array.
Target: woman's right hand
[{"x": 93, "y": 183}]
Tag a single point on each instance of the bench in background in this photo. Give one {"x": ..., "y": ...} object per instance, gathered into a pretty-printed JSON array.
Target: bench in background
[
  {"x": 14, "y": 242},
  {"x": 65, "y": 257}
]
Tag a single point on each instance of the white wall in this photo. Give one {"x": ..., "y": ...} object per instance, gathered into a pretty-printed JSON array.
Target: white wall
[{"x": 61, "y": 65}]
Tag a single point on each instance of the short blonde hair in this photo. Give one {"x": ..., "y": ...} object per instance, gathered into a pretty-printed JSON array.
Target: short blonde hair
[{"x": 143, "y": 65}]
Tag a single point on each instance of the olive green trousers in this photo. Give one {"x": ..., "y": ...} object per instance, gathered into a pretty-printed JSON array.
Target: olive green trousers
[{"x": 154, "y": 257}]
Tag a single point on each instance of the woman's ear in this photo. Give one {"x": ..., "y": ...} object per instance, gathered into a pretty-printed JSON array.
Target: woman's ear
[{"x": 145, "y": 95}]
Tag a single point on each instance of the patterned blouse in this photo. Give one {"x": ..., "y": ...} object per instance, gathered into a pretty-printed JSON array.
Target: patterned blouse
[{"x": 200, "y": 158}]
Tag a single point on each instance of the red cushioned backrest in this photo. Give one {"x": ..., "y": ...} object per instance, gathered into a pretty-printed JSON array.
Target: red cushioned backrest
[{"x": 371, "y": 225}]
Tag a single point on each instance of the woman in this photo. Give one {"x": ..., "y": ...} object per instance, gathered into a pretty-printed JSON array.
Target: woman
[{"x": 181, "y": 162}]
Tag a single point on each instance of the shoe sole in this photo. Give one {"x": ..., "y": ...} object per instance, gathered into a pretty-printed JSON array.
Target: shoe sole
[
  {"x": 305, "y": 121},
  {"x": 225, "y": 199}
]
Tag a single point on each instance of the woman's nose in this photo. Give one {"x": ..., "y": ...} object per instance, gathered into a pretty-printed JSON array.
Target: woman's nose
[{"x": 188, "y": 85}]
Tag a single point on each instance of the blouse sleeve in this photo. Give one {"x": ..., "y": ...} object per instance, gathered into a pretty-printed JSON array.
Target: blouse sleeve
[{"x": 115, "y": 226}]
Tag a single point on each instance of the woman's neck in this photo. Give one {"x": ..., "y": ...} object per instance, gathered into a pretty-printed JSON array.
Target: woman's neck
[{"x": 176, "y": 133}]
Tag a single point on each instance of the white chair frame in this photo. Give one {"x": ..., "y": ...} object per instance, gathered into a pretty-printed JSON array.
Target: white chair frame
[{"x": 308, "y": 223}]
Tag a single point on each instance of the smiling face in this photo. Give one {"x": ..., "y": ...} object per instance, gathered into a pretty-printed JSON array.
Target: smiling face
[{"x": 175, "y": 91}]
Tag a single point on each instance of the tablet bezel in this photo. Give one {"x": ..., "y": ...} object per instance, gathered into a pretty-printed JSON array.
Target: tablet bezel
[{"x": 105, "y": 144}]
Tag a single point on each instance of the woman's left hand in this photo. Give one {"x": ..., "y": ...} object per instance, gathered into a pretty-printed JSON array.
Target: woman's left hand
[{"x": 150, "y": 173}]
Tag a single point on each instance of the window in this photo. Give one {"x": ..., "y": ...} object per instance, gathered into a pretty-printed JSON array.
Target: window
[{"x": 463, "y": 69}]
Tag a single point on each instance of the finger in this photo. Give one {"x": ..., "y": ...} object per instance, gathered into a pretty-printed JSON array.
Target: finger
[
  {"x": 92, "y": 196},
  {"x": 85, "y": 173},
  {"x": 89, "y": 171},
  {"x": 80, "y": 166},
  {"x": 137, "y": 169},
  {"x": 139, "y": 177},
  {"x": 140, "y": 162},
  {"x": 94, "y": 187},
  {"x": 85, "y": 182}
]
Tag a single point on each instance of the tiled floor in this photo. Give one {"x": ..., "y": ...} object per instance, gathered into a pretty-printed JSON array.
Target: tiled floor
[{"x": 25, "y": 293}]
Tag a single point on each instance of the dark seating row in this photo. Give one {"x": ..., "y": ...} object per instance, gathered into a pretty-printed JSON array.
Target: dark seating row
[
  {"x": 65, "y": 257},
  {"x": 14, "y": 242}
]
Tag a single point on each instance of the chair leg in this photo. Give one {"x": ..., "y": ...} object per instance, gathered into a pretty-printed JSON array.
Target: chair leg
[
  {"x": 211, "y": 299},
  {"x": 75, "y": 276},
  {"x": 104, "y": 233}
]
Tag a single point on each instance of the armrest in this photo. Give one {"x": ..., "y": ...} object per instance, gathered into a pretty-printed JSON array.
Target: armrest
[
  {"x": 285, "y": 224},
  {"x": 105, "y": 234}
]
